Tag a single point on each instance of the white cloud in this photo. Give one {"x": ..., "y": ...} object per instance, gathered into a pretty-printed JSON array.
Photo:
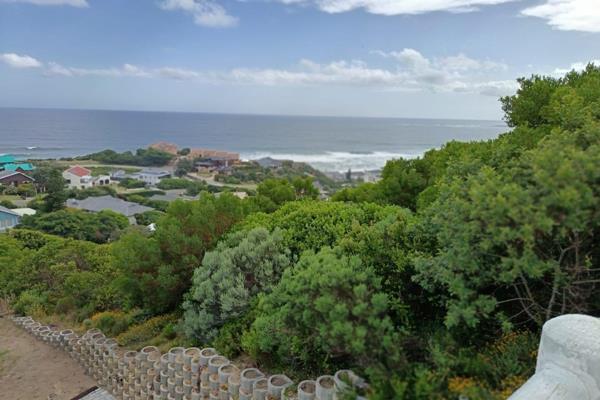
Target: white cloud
[
  {"x": 55, "y": 69},
  {"x": 397, "y": 7},
  {"x": 411, "y": 72},
  {"x": 73, "y": 3},
  {"x": 206, "y": 12},
  {"x": 568, "y": 15},
  {"x": 17, "y": 61},
  {"x": 578, "y": 66}
]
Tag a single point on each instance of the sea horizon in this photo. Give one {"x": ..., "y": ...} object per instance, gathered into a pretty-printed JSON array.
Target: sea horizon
[{"x": 328, "y": 143}]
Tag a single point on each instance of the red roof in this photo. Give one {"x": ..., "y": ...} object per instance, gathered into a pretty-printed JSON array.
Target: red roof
[{"x": 79, "y": 171}]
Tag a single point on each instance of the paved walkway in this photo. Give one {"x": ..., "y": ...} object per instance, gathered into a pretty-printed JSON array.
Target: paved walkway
[{"x": 33, "y": 370}]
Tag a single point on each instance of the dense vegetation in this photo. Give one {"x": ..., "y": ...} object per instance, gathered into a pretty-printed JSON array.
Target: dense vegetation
[
  {"x": 145, "y": 157},
  {"x": 432, "y": 283}
]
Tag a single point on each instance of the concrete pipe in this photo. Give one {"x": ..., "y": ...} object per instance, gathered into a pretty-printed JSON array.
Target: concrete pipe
[
  {"x": 225, "y": 371},
  {"x": 247, "y": 379},
  {"x": 223, "y": 394},
  {"x": 205, "y": 390},
  {"x": 175, "y": 353},
  {"x": 214, "y": 382},
  {"x": 187, "y": 387},
  {"x": 214, "y": 395},
  {"x": 187, "y": 373},
  {"x": 276, "y": 385},
  {"x": 195, "y": 364},
  {"x": 179, "y": 393},
  {"x": 306, "y": 390},
  {"x": 163, "y": 377},
  {"x": 215, "y": 362},
  {"x": 206, "y": 354},
  {"x": 325, "y": 388},
  {"x": 233, "y": 384},
  {"x": 164, "y": 361},
  {"x": 178, "y": 379},
  {"x": 260, "y": 388},
  {"x": 189, "y": 354},
  {"x": 195, "y": 395}
]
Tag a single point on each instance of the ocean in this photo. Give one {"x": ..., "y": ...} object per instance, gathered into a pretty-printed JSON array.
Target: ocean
[{"x": 326, "y": 143}]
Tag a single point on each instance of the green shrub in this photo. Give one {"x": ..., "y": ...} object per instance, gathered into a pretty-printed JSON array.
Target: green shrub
[
  {"x": 111, "y": 323},
  {"x": 326, "y": 312},
  {"x": 241, "y": 267},
  {"x": 29, "y": 301},
  {"x": 139, "y": 334}
]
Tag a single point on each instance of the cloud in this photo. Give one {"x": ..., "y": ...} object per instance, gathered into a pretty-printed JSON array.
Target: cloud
[
  {"x": 568, "y": 15},
  {"x": 578, "y": 66},
  {"x": 73, "y": 3},
  {"x": 411, "y": 72},
  {"x": 127, "y": 70},
  {"x": 397, "y": 7},
  {"x": 17, "y": 61},
  {"x": 206, "y": 12}
]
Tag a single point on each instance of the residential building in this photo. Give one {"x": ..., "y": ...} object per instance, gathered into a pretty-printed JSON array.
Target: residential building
[
  {"x": 78, "y": 177},
  {"x": 8, "y": 218},
  {"x": 24, "y": 211},
  {"x": 20, "y": 167},
  {"x": 97, "y": 204},
  {"x": 151, "y": 177},
  {"x": 7, "y": 159},
  {"x": 14, "y": 178},
  {"x": 268, "y": 162}
]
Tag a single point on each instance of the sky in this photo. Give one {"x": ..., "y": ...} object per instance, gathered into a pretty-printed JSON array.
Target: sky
[{"x": 373, "y": 58}]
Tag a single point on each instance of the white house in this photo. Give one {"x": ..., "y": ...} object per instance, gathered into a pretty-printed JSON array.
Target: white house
[
  {"x": 151, "y": 177},
  {"x": 78, "y": 177}
]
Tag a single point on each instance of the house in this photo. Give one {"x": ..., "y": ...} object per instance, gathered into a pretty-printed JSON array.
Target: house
[
  {"x": 268, "y": 162},
  {"x": 8, "y": 218},
  {"x": 20, "y": 167},
  {"x": 14, "y": 178},
  {"x": 78, "y": 177},
  {"x": 151, "y": 177},
  {"x": 6, "y": 159},
  {"x": 24, "y": 211},
  {"x": 97, "y": 204}
]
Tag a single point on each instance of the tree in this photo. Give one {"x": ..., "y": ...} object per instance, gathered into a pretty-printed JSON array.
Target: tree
[
  {"x": 184, "y": 166},
  {"x": 241, "y": 267},
  {"x": 327, "y": 311},
  {"x": 521, "y": 245},
  {"x": 158, "y": 269},
  {"x": 56, "y": 194},
  {"x": 278, "y": 191},
  {"x": 304, "y": 188}
]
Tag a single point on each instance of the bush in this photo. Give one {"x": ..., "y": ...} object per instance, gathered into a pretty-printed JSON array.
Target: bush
[
  {"x": 7, "y": 204},
  {"x": 241, "y": 267},
  {"x": 111, "y": 323},
  {"x": 130, "y": 183},
  {"x": 139, "y": 334},
  {"x": 326, "y": 312},
  {"x": 30, "y": 301}
]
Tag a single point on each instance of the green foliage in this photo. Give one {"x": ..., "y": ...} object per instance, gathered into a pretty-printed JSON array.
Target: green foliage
[
  {"x": 156, "y": 270},
  {"x": 327, "y": 311},
  {"x": 310, "y": 225},
  {"x": 148, "y": 217},
  {"x": 241, "y": 267},
  {"x": 184, "y": 166},
  {"x": 143, "y": 157},
  {"x": 55, "y": 191},
  {"x": 278, "y": 191},
  {"x": 131, "y": 183},
  {"x": 139, "y": 335},
  {"x": 95, "y": 191},
  {"x": 7, "y": 204},
  {"x": 96, "y": 227},
  {"x": 173, "y": 183}
]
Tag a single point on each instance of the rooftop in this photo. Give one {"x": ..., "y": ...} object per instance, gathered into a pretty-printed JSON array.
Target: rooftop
[
  {"x": 22, "y": 166},
  {"x": 79, "y": 171},
  {"x": 7, "y": 158},
  {"x": 4, "y": 174},
  {"x": 97, "y": 204},
  {"x": 8, "y": 211}
]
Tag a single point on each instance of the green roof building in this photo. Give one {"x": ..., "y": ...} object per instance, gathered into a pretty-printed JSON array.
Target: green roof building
[
  {"x": 7, "y": 159},
  {"x": 24, "y": 167}
]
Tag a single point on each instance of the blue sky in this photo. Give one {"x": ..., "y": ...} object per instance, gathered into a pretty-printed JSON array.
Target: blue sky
[{"x": 395, "y": 58}]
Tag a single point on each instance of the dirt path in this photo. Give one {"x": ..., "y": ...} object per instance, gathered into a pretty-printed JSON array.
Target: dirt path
[{"x": 31, "y": 370}]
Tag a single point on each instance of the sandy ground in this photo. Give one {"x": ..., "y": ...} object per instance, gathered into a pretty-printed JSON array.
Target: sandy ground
[{"x": 31, "y": 370}]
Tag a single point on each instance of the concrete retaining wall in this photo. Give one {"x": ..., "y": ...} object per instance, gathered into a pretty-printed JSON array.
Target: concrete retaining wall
[{"x": 180, "y": 374}]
